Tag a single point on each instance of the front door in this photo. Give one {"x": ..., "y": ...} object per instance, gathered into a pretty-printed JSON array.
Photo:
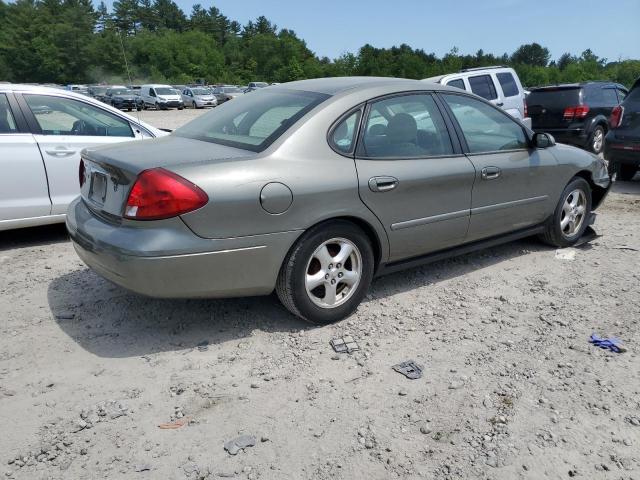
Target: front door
[
  {"x": 515, "y": 185},
  {"x": 412, "y": 177},
  {"x": 66, "y": 126}
]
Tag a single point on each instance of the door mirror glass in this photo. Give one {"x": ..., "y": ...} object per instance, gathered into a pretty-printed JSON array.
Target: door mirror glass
[{"x": 543, "y": 140}]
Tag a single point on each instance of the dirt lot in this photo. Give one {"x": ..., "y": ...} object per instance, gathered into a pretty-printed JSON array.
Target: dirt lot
[{"x": 511, "y": 387}]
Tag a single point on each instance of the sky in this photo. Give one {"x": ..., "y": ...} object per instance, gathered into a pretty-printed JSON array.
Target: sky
[{"x": 611, "y": 29}]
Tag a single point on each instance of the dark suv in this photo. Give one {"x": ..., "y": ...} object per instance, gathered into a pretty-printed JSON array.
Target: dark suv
[
  {"x": 622, "y": 143},
  {"x": 576, "y": 113}
]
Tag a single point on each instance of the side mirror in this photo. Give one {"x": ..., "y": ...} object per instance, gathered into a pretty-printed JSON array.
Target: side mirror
[{"x": 543, "y": 140}]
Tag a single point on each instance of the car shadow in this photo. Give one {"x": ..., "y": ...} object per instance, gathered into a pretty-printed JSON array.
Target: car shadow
[
  {"x": 114, "y": 323},
  {"x": 33, "y": 236},
  {"x": 631, "y": 187}
]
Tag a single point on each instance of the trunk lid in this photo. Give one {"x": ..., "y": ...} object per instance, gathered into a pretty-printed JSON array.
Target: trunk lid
[
  {"x": 546, "y": 106},
  {"x": 110, "y": 172}
]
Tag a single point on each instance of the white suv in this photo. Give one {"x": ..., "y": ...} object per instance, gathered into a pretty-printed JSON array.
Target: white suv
[{"x": 500, "y": 85}]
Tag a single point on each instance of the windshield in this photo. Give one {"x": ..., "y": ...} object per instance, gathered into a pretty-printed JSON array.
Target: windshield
[
  {"x": 200, "y": 91},
  {"x": 121, "y": 91},
  {"x": 231, "y": 90},
  {"x": 252, "y": 122},
  {"x": 165, "y": 91}
]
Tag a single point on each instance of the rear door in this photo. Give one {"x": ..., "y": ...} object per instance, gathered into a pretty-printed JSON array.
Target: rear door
[
  {"x": 412, "y": 176},
  {"x": 63, "y": 127},
  {"x": 515, "y": 186},
  {"x": 23, "y": 181},
  {"x": 484, "y": 86}
]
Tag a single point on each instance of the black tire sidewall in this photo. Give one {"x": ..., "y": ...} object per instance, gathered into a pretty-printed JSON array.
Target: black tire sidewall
[
  {"x": 303, "y": 303},
  {"x": 557, "y": 215}
]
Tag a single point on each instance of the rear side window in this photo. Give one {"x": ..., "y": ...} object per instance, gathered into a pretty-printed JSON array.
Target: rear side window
[
  {"x": 483, "y": 86},
  {"x": 344, "y": 134},
  {"x": 508, "y": 84},
  {"x": 7, "y": 122},
  {"x": 406, "y": 126},
  {"x": 457, "y": 83}
]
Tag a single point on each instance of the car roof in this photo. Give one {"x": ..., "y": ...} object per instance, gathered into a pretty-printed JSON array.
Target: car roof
[{"x": 335, "y": 85}]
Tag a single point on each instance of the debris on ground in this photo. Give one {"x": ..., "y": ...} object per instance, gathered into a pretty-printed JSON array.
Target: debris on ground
[
  {"x": 612, "y": 343},
  {"x": 566, "y": 254},
  {"x": 409, "y": 369},
  {"x": 181, "y": 422},
  {"x": 239, "y": 443},
  {"x": 203, "y": 346},
  {"x": 625, "y": 247},
  {"x": 344, "y": 345}
]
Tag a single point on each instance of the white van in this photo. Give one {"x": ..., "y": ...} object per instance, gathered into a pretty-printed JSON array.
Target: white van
[
  {"x": 500, "y": 85},
  {"x": 161, "y": 97}
]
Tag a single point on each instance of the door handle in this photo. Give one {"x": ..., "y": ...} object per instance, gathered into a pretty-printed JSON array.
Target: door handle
[
  {"x": 500, "y": 104},
  {"x": 382, "y": 184},
  {"x": 60, "y": 152},
  {"x": 490, "y": 173}
]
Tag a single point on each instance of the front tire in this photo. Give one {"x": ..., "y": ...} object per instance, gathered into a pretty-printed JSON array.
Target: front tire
[
  {"x": 571, "y": 216},
  {"x": 596, "y": 142},
  {"x": 327, "y": 273}
]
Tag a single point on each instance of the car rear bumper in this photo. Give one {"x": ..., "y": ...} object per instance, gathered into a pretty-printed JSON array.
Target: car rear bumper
[
  {"x": 624, "y": 153},
  {"x": 166, "y": 259}
]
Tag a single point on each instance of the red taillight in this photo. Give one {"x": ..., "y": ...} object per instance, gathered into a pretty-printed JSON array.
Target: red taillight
[
  {"x": 580, "y": 111},
  {"x": 526, "y": 111},
  {"x": 159, "y": 193},
  {"x": 615, "y": 120},
  {"x": 81, "y": 173}
]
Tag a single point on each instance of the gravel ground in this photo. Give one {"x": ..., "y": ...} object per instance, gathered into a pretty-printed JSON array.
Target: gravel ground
[{"x": 96, "y": 382}]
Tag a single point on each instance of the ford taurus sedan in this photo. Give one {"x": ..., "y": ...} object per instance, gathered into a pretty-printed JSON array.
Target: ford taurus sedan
[{"x": 312, "y": 188}]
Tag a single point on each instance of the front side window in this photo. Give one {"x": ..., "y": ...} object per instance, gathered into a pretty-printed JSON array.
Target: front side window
[
  {"x": 7, "y": 122},
  {"x": 404, "y": 127},
  {"x": 252, "y": 122},
  {"x": 482, "y": 85},
  {"x": 485, "y": 128},
  {"x": 64, "y": 116},
  {"x": 457, "y": 83},
  {"x": 343, "y": 135},
  {"x": 508, "y": 84}
]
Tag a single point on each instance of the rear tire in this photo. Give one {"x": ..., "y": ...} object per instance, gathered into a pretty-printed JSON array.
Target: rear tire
[
  {"x": 571, "y": 216},
  {"x": 596, "y": 142},
  {"x": 327, "y": 273}
]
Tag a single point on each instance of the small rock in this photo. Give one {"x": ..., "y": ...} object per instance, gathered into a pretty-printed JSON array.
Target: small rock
[{"x": 425, "y": 430}]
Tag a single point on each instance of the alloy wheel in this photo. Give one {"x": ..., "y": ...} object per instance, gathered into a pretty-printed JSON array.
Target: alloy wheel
[
  {"x": 333, "y": 273},
  {"x": 573, "y": 213},
  {"x": 598, "y": 138}
]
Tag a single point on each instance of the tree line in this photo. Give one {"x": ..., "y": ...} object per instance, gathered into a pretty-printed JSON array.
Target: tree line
[{"x": 71, "y": 41}]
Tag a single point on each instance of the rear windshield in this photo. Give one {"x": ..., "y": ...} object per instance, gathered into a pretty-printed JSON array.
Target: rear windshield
[
  {"x": 556, "y": 97},
  {"x": 252, "y": 122},
  {"x": 200, "y": 91}
]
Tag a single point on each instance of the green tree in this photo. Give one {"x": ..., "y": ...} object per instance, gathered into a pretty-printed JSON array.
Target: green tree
[{"x": 532, "y": 54}]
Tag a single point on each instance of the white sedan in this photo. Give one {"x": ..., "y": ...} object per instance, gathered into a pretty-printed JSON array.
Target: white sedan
[{"x": 42, "y": 131}]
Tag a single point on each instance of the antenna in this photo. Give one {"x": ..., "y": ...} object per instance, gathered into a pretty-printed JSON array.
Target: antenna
[{"x": 126, "y": 64}]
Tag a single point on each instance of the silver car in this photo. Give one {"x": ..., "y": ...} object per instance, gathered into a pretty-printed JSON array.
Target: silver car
[
  {"x": 312, "y": 188},
  {"x": 42, "y": 131},
  {"x": 198, "y": 97}
]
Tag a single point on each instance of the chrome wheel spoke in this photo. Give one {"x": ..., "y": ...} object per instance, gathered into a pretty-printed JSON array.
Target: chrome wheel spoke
[
  {"x": 349, "y": 277},
  {"x": 564, "y": 223},
  {"x": 315, "y": 280},
  {"x": 323, "y": 256},
  {"x": 330, "y": 294},
  {"x": 344, "y": 253},
  {"x": 580, "y": 210}
]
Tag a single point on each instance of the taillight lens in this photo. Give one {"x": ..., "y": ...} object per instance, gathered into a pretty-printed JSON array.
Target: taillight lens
[
  {"x": 159, "y": 193},
  {"x": 526, "y": 111},
  {"x": 81, "y": 173},
  {"x": 615, "y": 120},
  {"x": 578, "y": 112}
]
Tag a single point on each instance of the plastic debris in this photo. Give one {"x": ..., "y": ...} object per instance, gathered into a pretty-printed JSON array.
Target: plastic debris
[
  {"x": 625, "y": 247},
  {"x": 143, "y": 467},
  {"x": 612, "y": 343},
  {"x": 240, "y": 443},
  {"x": 181, "y": 422},
  {"x": 566, "y": 254},
  {"x": 409, "y": 369},
  {"x": 344, "y": 345}
]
